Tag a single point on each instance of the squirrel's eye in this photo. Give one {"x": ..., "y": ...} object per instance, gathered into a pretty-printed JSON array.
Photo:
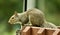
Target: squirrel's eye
[{"x": 13, "y": 18}]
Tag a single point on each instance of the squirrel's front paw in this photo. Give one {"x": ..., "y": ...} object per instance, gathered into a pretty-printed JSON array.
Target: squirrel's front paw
[{"x": 28, "y": 24}]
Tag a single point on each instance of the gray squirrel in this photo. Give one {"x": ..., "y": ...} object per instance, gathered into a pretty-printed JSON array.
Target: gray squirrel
[{"x": 33, "y": 17}]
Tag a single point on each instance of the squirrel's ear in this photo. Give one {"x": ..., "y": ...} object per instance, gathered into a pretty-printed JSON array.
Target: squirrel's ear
[{"x": 15, "y": 13}]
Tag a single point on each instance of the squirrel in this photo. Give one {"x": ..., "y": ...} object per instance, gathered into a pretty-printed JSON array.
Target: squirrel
[{"x": 33, "y": 17}]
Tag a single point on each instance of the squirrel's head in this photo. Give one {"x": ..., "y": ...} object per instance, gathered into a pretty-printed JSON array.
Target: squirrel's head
[{"x": 14, "y": 18}]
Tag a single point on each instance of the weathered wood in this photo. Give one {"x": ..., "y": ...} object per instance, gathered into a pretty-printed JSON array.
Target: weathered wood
[
  {"x": 39, "y": 31},
  {"x": 57, "y": 32},
  {"x": 35, "y": 30},
  {"x": 26, "y": 31},
  {"x": 49, "y": 32}
]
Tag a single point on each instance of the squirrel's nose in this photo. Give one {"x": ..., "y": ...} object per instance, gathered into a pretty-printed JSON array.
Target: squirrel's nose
[{"x": 8, "y": 21}]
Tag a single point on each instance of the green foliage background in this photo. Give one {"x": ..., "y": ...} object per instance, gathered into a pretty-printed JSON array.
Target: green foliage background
[
  {"x": 51, "y": 8},
  {"x": 7, "y": 8}
]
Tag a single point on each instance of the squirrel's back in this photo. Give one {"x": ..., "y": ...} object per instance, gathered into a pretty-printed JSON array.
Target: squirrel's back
[{"x": 36, "y": 16}]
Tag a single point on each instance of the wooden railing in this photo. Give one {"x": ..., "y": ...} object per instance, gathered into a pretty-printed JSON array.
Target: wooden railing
[{"x": 39, "y": 31}]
